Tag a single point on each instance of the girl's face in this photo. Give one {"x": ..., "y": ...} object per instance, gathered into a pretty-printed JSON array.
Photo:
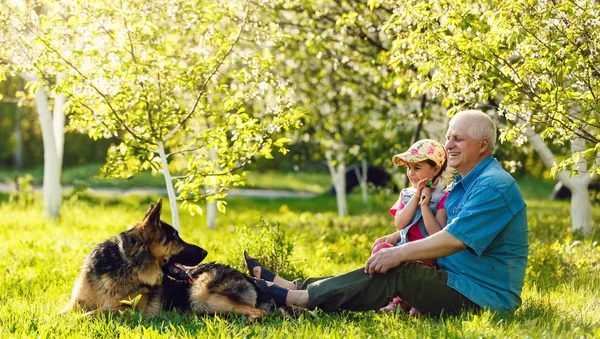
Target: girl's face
[{"x": 418, "y": 171}]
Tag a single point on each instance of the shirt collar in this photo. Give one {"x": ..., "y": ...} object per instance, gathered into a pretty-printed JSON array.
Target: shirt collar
[{"x": 468, "y": 179}]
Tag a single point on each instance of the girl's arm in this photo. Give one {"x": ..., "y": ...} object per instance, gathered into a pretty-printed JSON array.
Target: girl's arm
[
  {"x": 404, "y": 215},
  {"x": 433, "y": 223}
]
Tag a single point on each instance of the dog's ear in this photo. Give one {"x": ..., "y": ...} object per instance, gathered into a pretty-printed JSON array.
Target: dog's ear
[
  {"x": 149, "y": 210},
  {"x": 151, "y": 223},
  {"x": 153, "y": 214}
]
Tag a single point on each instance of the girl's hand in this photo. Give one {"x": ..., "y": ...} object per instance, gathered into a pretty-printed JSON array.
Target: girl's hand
[
  {"x": 421, "y": 185},
  {"x": 391, "y": 239},
  {"x": 425, "y": 197}
]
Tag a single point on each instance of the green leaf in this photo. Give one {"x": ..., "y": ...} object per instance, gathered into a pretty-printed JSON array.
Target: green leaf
[
  {"x": 221, "y": 206},
  {"x": 281, "y": 141}
]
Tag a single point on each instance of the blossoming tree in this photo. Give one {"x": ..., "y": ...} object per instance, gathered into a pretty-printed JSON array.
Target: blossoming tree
[{"x": 175, "y": 81}]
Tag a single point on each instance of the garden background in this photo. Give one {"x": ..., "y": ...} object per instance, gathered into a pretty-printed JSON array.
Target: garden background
[{"x": 199, "y": 101}]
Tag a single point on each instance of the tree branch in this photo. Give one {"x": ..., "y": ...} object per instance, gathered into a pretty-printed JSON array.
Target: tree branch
[
  {"x": 104, "y": 97},
  {"x": 207, "y": 80}
]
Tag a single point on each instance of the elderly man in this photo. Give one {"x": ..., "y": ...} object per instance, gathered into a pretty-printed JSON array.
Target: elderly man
[{"x": 482, "y": 250}]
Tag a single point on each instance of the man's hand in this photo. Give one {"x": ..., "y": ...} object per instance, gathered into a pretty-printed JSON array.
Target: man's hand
[{"x": 384, "y": 260}]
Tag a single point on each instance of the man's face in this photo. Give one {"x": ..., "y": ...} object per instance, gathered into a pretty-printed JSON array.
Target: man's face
[{"x": 464, "y": 151}]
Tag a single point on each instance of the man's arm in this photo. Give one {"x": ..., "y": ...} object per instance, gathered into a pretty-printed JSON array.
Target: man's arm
[{"x": 436, "y": 246}]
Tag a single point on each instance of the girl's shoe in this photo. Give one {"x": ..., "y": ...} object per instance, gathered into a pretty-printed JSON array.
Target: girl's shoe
[
  {"x": 397, "y": 302},
  {"x": 414, "y": 312}
]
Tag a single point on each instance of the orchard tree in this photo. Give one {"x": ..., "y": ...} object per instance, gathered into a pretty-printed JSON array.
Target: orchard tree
[
  {"x": 52, "y": 122},
  {"x": 535, "y": 61},
  {"x": 174, "y": 80},
  {"x": 16, "y": 58},
  {"x": 336, "y": 59}
]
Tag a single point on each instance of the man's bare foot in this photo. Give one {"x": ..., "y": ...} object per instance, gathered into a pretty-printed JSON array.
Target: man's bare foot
[{"x": 256, "y": 270}]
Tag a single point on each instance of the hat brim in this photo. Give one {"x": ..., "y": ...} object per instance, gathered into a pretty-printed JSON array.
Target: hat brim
[{"x": 404, "y": 158}]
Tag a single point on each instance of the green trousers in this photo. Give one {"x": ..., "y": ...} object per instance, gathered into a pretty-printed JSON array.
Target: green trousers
[{"x": 421, "y": 286}]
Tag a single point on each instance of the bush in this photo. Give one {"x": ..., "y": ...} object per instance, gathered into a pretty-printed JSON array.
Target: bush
[
  {"x": 24, "y": 195},
  {"x": 267, "y": 243}
]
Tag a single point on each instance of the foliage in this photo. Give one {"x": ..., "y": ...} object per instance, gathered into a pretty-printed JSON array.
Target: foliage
[
  {"x": 336, "y": 56},
  {"x": 41, "y": 260},
  {"x": 533, "y": 61},
  {"x": 172, "y": 80},
  {"x": 270, "y": 245},
  {"x": 23, "y": 196}
]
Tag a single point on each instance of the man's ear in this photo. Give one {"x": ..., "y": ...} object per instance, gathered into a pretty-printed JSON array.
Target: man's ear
[{"x": 485, "y": 145}]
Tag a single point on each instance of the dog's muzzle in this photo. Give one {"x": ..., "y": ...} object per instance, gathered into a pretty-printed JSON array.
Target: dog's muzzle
[{"x": 191, "y": 255}]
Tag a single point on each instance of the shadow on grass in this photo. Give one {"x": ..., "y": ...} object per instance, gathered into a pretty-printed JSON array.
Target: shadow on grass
[
  {"x": 546, "y": 312},
  {"x": 170, "y": 323}
]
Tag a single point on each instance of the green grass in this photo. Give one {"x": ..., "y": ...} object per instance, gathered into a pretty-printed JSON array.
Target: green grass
[
  {"x": 312, "y": 181},
  {"x": 40, "y": 260},
  {"x": 88, "y": 175}
]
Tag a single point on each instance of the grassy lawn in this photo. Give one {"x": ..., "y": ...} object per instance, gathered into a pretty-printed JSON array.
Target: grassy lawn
[
  {"x": 88, "y": 175},
  {"x": 40, "y": 261},
  {"x": 311, "y": 181}
]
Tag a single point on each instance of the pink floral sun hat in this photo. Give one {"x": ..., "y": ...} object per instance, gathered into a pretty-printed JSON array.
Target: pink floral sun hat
[{"x": 420, "y": 151}]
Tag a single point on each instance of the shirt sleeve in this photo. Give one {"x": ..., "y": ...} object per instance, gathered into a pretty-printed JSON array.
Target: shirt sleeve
[
  {"x": 398, "y": 205},
  {"x": 480, "y": 219},
  {"x": 440, "y": 204}
]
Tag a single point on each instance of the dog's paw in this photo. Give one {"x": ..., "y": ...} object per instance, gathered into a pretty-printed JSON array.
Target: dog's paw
[{"x": 255, "y": 316}]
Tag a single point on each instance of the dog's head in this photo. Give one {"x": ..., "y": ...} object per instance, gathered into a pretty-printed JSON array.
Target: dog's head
[{"x": 164, "y": 241}]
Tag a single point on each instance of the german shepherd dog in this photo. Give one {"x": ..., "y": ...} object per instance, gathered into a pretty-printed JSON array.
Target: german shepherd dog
[
  {"x": 213, "y": 288},
  {"x": 130, "y": 264}
]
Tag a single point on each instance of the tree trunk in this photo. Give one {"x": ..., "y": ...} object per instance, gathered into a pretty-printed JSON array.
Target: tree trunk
[
  {"x": 18, "y": 138},
  {"x": 59, "y": 122},
  {"x": 363, "y": 180},
  {"x": 211, "y": 206},
  {"x": 581, "y": 207},
  {"x": 170, "y": 187},
  {"x": 338, "y": 176},
  {"x": 52, "y": 189},
  {"x": 211, "y": 215}
]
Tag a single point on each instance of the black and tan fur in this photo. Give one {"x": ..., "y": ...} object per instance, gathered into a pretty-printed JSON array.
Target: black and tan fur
[
  {"x": 213, "y": 288},
  {"x": 130, "y": 264}
]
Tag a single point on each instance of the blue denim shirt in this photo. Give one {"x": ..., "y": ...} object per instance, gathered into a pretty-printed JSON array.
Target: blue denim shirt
[{"x": 487, "y": 212}]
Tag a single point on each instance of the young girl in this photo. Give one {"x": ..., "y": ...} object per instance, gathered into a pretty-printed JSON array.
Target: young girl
[{"x": 419, "y": 210}]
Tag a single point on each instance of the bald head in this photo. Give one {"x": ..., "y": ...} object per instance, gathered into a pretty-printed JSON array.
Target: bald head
[
  {"x": 480, "y": 126},
  {"x": 470, "y": 139}
]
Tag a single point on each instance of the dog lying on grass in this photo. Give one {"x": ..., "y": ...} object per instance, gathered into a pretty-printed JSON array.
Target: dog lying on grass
[
  {"x": 213, "y": 288},
  {"x": 130, "y": 265}
]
